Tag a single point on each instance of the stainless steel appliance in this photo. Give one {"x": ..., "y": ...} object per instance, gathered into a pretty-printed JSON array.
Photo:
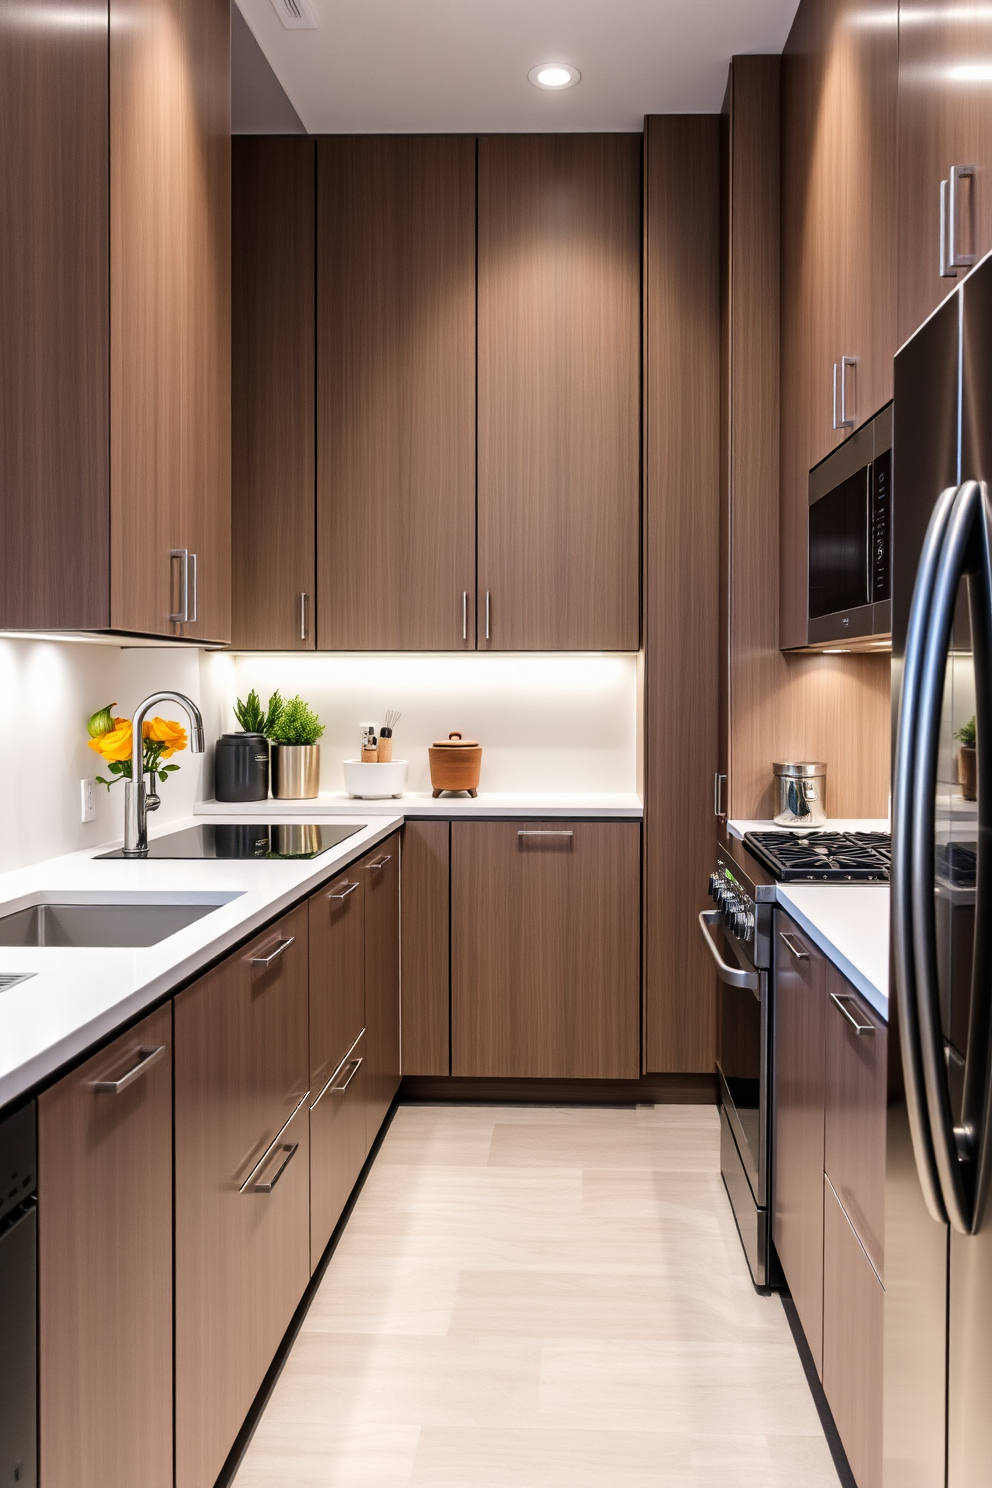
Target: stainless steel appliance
[
  {"x": 738, "y": 935},
  {"x": 938, "y": 1237},
  {"x": 822, "y": 857},
  {"x": 849, "y": 589},
  {"x": 18, "y": 1300}
]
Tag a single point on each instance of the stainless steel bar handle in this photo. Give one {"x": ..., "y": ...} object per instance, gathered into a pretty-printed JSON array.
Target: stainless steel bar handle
[
  {"x": 263, "y": 1161},
  {"x": 348, "y": 889},
  {"x": 290, "y": 1149},
  {"x": 840, "y": 1001},
  {"x": 842, "y": 418},
  {"x": 354, "y": 1065},
  {"x": 182, "y": 615},
  {"x": 946, "y": 271},
  {"x": 792, "y": 944},
  {"x": 956, "y": 260},
  {"x": 147, "y": 1057},
  {"x": 719, "y": 781},
  {"x": 464, "y": 614},
  {"x": 304, "y": 602},
  {"x": 282, "y": 947},
  {"x": 329, "y": 1086},
  {"x": 734, "y": 976},
  {"x": 543, "y": 833},
  {"x": 381, "y": 861},
  {"x": 487, "y": 614},
  {"x": 193, "y": 616}
]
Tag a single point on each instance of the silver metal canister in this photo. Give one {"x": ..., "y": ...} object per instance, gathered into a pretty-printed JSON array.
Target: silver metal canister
[
  {"x": 295, "y": 771},
  {"x": 800, "y": 793}
]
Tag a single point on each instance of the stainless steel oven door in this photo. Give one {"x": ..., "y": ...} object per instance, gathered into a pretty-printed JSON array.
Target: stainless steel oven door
[{"x": 742, "y": 1044}]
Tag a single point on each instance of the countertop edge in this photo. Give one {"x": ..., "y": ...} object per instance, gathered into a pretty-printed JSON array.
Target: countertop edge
[{"x": 616, "y": 806}]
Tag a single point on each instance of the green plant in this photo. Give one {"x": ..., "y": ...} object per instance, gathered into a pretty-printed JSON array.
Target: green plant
[
  {"x": 967, "y": 734},
  {"x": 251, "y": 718},
  {"x": 297, "y": 724}
]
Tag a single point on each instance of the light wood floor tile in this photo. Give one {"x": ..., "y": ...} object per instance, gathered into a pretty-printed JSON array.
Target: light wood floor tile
[{"x": 551, "y": 1459}]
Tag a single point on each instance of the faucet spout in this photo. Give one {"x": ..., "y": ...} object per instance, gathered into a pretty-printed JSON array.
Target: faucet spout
[{"x": 135, "y": 793}]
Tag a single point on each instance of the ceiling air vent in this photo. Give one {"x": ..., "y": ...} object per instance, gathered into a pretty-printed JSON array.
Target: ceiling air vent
[{"x": 296, "y": 15}]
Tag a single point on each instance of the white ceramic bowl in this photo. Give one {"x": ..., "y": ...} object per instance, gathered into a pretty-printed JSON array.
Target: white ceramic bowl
[{"x": 374, "y": 782}]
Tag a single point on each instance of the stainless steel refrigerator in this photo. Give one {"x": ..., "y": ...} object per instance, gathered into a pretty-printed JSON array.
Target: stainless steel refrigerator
[{"x": 937, "y": 1399}]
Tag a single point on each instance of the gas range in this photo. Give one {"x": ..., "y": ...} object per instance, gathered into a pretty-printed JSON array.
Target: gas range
[{"x": 823, "y": 857}]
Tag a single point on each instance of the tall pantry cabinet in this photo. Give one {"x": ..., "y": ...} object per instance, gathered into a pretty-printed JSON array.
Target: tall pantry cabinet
[{"x": 115, "y": 318}]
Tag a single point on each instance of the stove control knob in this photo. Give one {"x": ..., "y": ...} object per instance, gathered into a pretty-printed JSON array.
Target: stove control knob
[
  {"x": 748, "y": 930},
  {"x": 714, "y": 883}
]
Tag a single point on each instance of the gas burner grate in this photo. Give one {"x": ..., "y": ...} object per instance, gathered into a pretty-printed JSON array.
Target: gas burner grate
[{"x": 823, "y": 857}]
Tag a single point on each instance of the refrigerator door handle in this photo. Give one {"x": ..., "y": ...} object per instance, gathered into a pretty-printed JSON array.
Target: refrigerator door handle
[
  {"x": 902, "y": 855},
  {"x": 974, "y": 1135}
]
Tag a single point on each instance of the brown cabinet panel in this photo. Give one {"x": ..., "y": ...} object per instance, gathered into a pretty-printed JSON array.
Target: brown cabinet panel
[
  {"x": 273, "y": 366},
  {"x": 852, "y": 1343},
  {"x": 797, "y": 1138},
  {"x": 944, "y": 120},
  {"x": 545, "y": 953},
  {"x": 395, "y": 392},
  {"x": 425, "y": 941},
  {"x": 105, "y": 1268},
  {"x": 337, "y": 1148},
  {"x": 242, "y": 1258},
  {"x": 337, "y": 973},
  {"x": 54, "y": 310},
  {"x": 381, "y": 870},
  {"x": 558, "y": 414},
  {"x": 855, "y": 1100}
]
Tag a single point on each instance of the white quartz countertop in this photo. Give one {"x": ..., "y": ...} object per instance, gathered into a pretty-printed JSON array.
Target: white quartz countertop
[
  {"x": 78, "y": 996},
  {"x": 421, "y": 803},
  {"x": 832, "y": 824}
]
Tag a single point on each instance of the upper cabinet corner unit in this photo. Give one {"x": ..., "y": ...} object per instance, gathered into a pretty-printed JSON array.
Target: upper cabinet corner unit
[
  {"x": 446, "y": 331},
  {"x": 115, "y": 317}
]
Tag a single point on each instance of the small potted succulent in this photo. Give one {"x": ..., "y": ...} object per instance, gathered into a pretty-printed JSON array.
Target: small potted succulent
[
  {"x": 967, "y": 737},
  {"x": 295, "y": 752},
  {"x": 241, "y": 761}
]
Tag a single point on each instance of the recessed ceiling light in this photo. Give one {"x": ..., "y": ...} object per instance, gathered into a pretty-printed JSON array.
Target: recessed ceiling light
[{"x": 554, "y": 75}]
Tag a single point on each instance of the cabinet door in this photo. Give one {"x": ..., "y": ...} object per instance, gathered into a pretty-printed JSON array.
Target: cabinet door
[
  {"x": 55, "y": 311},
  {"x": 382, "y": 981},
  {"x": 852, "y": 1343},
  {"x": 559, "y": 414},
  {"x": 337, "y": 973},
  {"x": 337, "y": 1146},
  {"x": 396, "y": 393},
  {"x": 797, "y": 1115},
  {"x": 273, "y": 369},
  {"x": 242, "y": 1250},
  {"x": 105, "y": 1266},
  {"x": 170, "y": 316},
  {"x": 426, "y": 948},
  {"x": 854, "y": 1105},
  {"x": 945, "y": 119},
  {"x": 545, "y": 949}
]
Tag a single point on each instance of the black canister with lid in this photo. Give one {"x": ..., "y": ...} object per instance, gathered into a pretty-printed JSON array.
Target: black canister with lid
[{"x": 241, "y": 767}]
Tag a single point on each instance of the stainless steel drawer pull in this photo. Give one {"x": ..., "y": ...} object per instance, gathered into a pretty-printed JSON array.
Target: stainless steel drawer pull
[
  {"x": 792, "y": 944},
  {"x": 381, "y": 862},
  {"x": 840, "y": 1001},
  {"x": 354, "y": 1065},
  {"x": 464, "y": 614},
  {"x": 545, "y": 834},
  {"x": 487, "y": 614},
  {"x": 283, "y": 945},
  {"x": 348, "y": 889},
  {"x": 273, "y": 1147},
  {"x": 331, "y": 1086},
  {"x": 290, "y": 1149},
  {"x": 147, "y": 1058}
]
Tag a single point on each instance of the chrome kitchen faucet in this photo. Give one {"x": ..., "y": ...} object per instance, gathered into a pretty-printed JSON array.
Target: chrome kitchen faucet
[{"x": 138, "y": 801}]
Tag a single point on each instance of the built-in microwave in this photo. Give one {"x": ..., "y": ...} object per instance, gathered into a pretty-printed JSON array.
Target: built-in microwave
[{"x": 849, "y": 593}]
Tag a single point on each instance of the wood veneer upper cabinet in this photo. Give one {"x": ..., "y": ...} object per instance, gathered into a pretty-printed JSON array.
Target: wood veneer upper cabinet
[
  {"x": 273, "y": 370},
  {"x": 396, "y": 393},
  {"x": 381, "y": 870},
  {"x": 545, "y": 949},
  {"x": 797, "y": 1138},
  {"x": 242, "y": 1257},
  {"x": 945, "y": 119},
  {"x": 105, "y": 1267},
  {"x": 839, "y": 82},
  {"x": 559, "y": 342}
]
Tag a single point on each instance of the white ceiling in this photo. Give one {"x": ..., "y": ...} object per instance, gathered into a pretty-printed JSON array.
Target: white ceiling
[{"x": 438, "y": 66}]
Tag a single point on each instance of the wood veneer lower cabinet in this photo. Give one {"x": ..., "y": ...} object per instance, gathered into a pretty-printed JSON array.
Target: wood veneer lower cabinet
[
  {"x": 797, "y": 1139},
  {"x": 855, "y": 1110},
  {"x": 545, "y": 949},
  {"x": 382, "y": 981},
  {"x": 242, "y": 1228},
  {"x": 338, "y": 1146},
  {"x": 426, "y": 958},
  {"x": 337, "y": 973},
  {"x": 852, "y": 1342},
  {"x": 105, "y": 1267}
]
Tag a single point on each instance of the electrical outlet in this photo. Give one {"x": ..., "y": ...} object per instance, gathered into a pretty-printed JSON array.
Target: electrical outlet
[{"x": 87, "y": 800}]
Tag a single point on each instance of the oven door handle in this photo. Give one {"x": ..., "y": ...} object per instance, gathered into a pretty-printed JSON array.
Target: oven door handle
[{"x": 734, "y": 976}]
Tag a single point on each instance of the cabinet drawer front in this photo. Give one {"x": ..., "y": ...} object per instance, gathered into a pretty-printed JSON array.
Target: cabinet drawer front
[
  {"x": 797, "y": 1116},
  {"x": 274, "y": 975},
  {"x": 337, "y": 1149},
  {"x": 852, "y": 1343},
  {"x": 545, "y": 936},
  {"x": 337, "y": 973},
  {"x": 105, "y": 1266},
  {"x": 854, "y": 1139},
  {"x": 382, "y": 982}
]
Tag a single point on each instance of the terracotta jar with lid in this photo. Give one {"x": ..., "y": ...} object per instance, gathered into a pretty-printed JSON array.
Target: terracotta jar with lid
[{"x": 455, "y": 764}]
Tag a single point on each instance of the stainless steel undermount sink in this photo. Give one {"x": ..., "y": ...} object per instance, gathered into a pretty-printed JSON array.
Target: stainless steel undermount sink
[{"x": 74, "y": 919}]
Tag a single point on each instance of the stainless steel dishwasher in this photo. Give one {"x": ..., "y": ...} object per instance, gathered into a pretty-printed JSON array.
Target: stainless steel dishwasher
[{"x": 19, "y": 1299}]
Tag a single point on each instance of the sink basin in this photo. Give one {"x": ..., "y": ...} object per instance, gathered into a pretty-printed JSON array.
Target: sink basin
[{"x": 103, "y": 919}]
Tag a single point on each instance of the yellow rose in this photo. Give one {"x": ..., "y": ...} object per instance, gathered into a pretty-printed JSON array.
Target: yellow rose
[
  {"x": 165, "y": 731},
  {"x": 116, "y": 744}
]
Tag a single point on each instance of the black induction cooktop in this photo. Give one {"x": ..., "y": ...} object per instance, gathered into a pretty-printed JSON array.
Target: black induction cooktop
[
  {"x": 247, "y": 840},
  {"x": 823, "y": 857}
]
